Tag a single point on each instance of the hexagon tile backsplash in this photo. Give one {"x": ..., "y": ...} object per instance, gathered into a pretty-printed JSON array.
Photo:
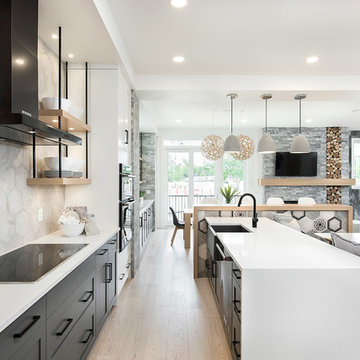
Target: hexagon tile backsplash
[{"x": 19, "y": 203}]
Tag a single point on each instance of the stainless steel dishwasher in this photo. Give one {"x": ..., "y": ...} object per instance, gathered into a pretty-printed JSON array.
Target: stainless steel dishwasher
[{"x": 224, "y": 285}]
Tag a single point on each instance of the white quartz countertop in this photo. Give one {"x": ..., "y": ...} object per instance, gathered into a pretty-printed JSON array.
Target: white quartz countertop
[
  {"x": 145, "y": 204},
  {"x": 275, "y": 246},
  {"x": 16, "y": 298}
]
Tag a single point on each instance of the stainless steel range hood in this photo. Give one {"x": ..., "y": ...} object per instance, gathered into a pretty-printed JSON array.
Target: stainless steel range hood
[{"x": 19, "y": 78}]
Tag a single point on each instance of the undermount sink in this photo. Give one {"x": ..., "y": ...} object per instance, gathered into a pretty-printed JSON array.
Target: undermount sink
[{"x": 229, "y": 229}]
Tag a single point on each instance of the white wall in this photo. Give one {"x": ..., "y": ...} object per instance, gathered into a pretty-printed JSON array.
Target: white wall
[{"x": 101, "y": 196}]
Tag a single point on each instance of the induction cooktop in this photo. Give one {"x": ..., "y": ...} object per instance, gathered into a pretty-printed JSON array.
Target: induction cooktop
[{"x": 30, "y": 262}]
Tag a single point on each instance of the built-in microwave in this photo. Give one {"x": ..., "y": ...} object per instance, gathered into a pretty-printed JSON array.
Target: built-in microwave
[{"x": 126, "y": 183}]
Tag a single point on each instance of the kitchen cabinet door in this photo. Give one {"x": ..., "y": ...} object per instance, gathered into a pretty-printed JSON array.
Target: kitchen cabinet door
[
  {"x": 101, "y": 286},
  {"x": 111, "y": 276},
  {"x": 34, "y": 348}
]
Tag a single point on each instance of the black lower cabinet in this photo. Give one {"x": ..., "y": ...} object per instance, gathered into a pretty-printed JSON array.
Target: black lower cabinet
[
  {"x": 105, "y": 281},
  {"x": 64, "y": 323}
]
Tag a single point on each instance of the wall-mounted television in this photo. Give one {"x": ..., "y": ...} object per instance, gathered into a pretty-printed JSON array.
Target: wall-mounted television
[{"x": 287, "y": 164}]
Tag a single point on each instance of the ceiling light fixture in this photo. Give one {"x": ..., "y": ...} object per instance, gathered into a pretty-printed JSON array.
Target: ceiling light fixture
[
  {"x": 71, "y": 128},
  {"x": 54, "y": 120},
  {"x": 71, "y": 55},
  {"x": 54, "y": 36},
  {"x": 266, "y": 144},
  {"x": 308, "y": 121},
  {"x": 300, "y": 144},
  {"x": 178, "y": 121},
  {"x": 312, "y": 59},
  {"x": 178, "y": 3},
  {"x": 212, "y": 145},
  {"x": 232, "y": 144},
  {"x": 178, "y": 59}
]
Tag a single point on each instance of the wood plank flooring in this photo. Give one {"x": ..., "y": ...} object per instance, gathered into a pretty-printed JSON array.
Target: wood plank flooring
[{"x": 163, "y": 314}]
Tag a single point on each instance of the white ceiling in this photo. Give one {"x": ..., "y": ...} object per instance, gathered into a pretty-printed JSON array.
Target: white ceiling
[
  {"x": 84, "y": 33},
  {"x": 241, "y": 37},
  {"x": 195, "y": 109}
]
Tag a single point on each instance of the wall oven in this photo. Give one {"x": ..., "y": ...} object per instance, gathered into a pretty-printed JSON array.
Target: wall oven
[{"x": 126, "y": 205}]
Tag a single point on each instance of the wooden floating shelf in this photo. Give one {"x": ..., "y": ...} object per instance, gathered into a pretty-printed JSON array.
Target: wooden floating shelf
[
  {"x": 57, "y": 181},
  {"x": 306, "y": 182},
  {"x": 69, "y": 123}
]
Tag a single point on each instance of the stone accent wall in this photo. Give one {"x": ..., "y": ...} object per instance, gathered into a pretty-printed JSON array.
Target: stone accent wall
[
  {"x": 148, "y": 164},
  {"x": 19, "y": 203},
  {"x": 333, "y": 163},
  {"x": 310, "y": 222},
  {"x": 317, "y": 138},
  {"x": 135, "y": 153}
]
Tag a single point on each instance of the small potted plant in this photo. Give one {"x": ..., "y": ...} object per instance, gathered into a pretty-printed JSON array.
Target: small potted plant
[
  {"x": 141, "y": 198},
  {"x": 229, "y": 193}
]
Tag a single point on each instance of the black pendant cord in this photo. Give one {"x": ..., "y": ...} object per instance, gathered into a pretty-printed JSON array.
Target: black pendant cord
[
  {"x": 300, "y": 116},
  {"x": 59, "y": 117},
  {"x": 66, "y": 96}
]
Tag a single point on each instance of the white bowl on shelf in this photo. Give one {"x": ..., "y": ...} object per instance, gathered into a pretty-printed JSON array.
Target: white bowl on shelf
[
  {"x": 76, "y": 111},
  {"x": 52, "y": 103},
  {"x": 52, "y": 163},
  {"x": 71, "y": 230}
]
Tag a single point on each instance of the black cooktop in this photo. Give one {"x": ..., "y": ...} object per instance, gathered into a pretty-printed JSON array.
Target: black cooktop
[{"x": 31, "y": 262}]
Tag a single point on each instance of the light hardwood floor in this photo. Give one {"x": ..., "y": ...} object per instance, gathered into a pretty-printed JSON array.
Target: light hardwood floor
[{"x": 163, "y": 313}]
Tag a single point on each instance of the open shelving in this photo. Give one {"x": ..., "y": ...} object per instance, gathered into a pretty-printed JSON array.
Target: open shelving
[
  {"x": 306, "y": 182},
  {"x": 69, "y": 123}
]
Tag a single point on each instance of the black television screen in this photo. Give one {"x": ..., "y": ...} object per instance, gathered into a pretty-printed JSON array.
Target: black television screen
[{"x": 288, "y": 164}]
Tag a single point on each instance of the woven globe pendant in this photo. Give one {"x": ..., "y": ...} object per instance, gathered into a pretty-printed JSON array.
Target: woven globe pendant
[
  {"x": 247, "y": 148},
  {"x": 212, "y": 147}
]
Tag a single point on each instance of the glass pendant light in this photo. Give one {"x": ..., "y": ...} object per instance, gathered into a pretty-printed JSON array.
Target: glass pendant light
[
  {"x": 266, "y": 144},
  {"x": 232, "y": 144},
  {"x": 300, "y": 144}
]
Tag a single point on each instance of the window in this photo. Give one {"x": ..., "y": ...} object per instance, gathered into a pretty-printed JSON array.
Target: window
[
  {"x": 233, "y": 171},
  {"x": 356, "y": 160}
]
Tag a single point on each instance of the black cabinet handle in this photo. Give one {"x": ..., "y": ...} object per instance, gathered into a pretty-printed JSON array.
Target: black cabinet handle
[
  {"x": 90, "y": 294},
  {"x": 235, "y": 272},
  {"x": 103, "y": 252},
  {"x": 126, "y": 136},
  {"x": 235, "y": 351},
  {"x": 237, "y": 310},
  {"x": 141, "y": 221},
  {"x": 111, "y": 271},
  {"x": 122, "y": 276},
  {"x": 34, "y": 320},
  {"x": 128, "y": 265},
  {"x": 89, "y": 336},
  {"x": 213, "y": 272},
  {"x": 112, "y": 242},
  {"x": 107, "y": 277},
  {"x": 68, "y": 322}
]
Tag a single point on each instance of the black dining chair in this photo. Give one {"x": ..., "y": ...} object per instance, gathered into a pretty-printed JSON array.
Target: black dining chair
[{"x": 179, "y": 224}]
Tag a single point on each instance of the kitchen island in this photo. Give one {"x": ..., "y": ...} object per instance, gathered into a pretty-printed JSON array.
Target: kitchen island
[
  {"x": 311, "y": 219},
  {"x": 299, "y": 297}
]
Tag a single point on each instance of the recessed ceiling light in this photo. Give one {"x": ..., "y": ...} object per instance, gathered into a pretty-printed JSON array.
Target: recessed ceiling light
[
  {"x": 178, "y": 3},
  {"x": 308, "y": 121},
  {"x": 54, "y": 36},
  {"x": 312, "y": 59},
  {"x": 20, "y": 61},
  {"x": 178, "y": 59},
  {"x": 243, "y": 121},
  {"x": 71, "y": 55},
  {"x": 178, "y": 121},
  {"x": 55, "y": 120},
  {"x": 71, "y": 129}
]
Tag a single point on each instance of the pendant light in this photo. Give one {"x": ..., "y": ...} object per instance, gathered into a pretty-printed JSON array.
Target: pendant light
[
  {"x": 247, "y": 146},
  {"x": 266, "y": 144},
  {"x": 232, "y": 144},
  {"x": 212, "y": 145},
  {"x": 300, "y": 144}
]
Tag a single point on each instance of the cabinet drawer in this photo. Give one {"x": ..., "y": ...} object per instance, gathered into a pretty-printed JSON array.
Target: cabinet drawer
[
  {"x": 22, "y": 329},
  {"x": 62, "y": 321},
  {"x": 80, "y": 339},
  {"x": 62, "y": 291},
  {"x": 236, "y": 338}
]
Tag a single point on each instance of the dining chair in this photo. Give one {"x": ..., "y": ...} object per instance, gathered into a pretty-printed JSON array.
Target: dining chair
[
  {"x": 275, "y": 201},
  {"x": 306, "y": 201},
  {"x": 179, "y": 224}
]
